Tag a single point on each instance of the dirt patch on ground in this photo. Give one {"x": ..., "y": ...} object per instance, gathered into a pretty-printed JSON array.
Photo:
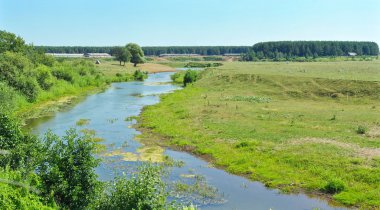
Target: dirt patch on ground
[
  {"x": 155, "y": 68},
  {"x": 374, "y": 132},
  {"x": 360, "y": 151}
]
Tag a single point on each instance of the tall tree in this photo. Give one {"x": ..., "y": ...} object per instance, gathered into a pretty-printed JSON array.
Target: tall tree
[
  {"x": 136, "y": 52},
  {"x": 121, "y": 54}
]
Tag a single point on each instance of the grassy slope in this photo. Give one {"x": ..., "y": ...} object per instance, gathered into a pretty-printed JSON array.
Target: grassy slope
[{"x": 302, "y": 139}]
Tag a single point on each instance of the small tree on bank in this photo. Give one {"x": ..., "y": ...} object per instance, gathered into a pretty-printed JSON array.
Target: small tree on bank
[{"x": 190, "y": 77}]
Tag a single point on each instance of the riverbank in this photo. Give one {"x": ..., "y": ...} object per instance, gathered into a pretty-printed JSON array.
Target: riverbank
[
  {"x": 310, "y": 132},
  {"x": 110, "y": 69}
]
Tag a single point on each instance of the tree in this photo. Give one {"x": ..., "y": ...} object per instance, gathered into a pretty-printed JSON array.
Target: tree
[
  {"x": 121, "y": 54},
  {"x": 136, "y": 52},
  {"x": 11, "y": 42},
  {"x": 67, "y": 170}
]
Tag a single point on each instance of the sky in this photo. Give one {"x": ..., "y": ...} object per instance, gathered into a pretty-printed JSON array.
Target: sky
[{"x": 188, "y": 22}]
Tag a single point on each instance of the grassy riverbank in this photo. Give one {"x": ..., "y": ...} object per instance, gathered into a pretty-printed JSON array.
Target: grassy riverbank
[
  {"x": 310, "y": 127},
  {"x": 69, "y": 80}
]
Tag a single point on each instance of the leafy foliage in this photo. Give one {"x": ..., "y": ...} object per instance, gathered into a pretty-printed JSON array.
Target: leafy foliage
[
  {"x": 18, "y": 192},
  {"x": 67, "y": 170},
  {"x": 154, "y": 51},
  {"x": 286, "y": 50},
  {"x": 202, "y": 65},
  {"x": 137, "y": 54},
  {"x": 190, "y": 77},
  {"x": 144, "y": 190},
  {"x": 139, "y": 75},
  {"x": 22, "y": 149},
  {"x": 121, "y": 54}
]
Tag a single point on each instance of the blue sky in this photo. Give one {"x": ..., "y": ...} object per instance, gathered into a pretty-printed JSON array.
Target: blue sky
[{"x": 188, "y": 22}]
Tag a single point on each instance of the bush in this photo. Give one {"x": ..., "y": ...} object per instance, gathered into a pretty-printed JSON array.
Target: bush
[
  {"x": 22, "y": 149},
  {"x": 63, "y": 74},
  {"x": 144, "y": 190},
  {"x": 178, "y": 77},
  {"x": 18, "y": 192},
  {"x": 67, "y": 169},
  {"x": 8, "y": 98},
  {"x": 202, "y": 65},
  {"x": 139, "y": 75},
  {"x": 44, "y": 77},
  {"x": 28, "y": 87},
  {"x": 361, "y": 129},
  {"x": 190, "y": 77},
  {"x": 334, "y": 186}
]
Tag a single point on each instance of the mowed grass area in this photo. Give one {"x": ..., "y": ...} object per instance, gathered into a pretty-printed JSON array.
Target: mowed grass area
[
  {"x": 347, "y": 70},
  {"x": 110, "y": 67},
  {"x": 297, "y": 126}
]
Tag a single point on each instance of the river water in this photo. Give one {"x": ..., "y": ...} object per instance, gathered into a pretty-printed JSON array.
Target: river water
[{"x": 106, "y": 113}]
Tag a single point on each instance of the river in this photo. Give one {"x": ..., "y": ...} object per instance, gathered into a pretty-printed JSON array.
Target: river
[{"x": 105, "y": 115}]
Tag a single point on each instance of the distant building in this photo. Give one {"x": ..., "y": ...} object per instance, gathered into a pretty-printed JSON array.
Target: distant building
[
  {"x": 232, "y": 54},
  {"x": 97, "y": 55},
  {"x": 65, "y": 55},
  {"x": 352, "y": 54},
  {"x": 75, "y": 55},
  {"x": 178, "y": 55}
]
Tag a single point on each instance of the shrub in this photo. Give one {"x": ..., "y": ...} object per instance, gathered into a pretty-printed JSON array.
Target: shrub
[
  {"x": 242, "y": 144},
  {"x": 44, "y": 77},
  {"x": 139, "y": 75},
  {"x": 334, "y": 186},
  {"x": 19, "y": 192},
  {"x": 144, "y": 190},
  {"x": 8, "y": 98},
  {"x": 67, "y": 169},
  {"x": 190, "y": 77},
  {"x": 28, "y": 87},
  {"x": 63, "y": 74},
  {"x": 23, "y": 149},
  {"x": 361, "y": 129}
]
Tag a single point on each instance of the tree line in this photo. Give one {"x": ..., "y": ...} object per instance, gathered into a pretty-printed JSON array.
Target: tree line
[
  {"x": 309, "y": 49},
  {"x": 152, "y": 51}
]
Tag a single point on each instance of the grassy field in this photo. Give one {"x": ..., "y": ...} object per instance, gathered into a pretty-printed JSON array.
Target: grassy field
[
  {"x": 311, "y": 127},
  {"x": 111, "y": 67}
]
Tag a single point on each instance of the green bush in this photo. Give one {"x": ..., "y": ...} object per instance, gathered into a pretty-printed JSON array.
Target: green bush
[
  {"x": 139, "y": 75},
  {"x": 361, "y": 129},
  {"x": 190, "y": 77},
  {"x": 144, "y": 190},
  {"x": 334, "y": 186},
  {"x": 44, "y": 77},
  {"x": 67, "y": 169},
  {"x": 8, "y": 98},
  {"x": 63, "y": 74},
  {"x": 19, "y": 192},
  {"x": 22, "y": 149},
  {"x": 202, "y": 65}
]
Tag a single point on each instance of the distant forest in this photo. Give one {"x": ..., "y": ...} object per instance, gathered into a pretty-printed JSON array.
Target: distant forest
[
  {"x": 287, "y": 49},
  {"x": 282, "y": 50},
  {"x": 150, "y": 51}
]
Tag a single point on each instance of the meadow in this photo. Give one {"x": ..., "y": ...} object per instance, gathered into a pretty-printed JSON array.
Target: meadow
[{"x": 300, "y": 127}]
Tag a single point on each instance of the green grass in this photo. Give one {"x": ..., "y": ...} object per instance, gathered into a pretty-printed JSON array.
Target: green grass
[
  {"x": 347, "y": 70},
  {"x": 303, "y": 139}
]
